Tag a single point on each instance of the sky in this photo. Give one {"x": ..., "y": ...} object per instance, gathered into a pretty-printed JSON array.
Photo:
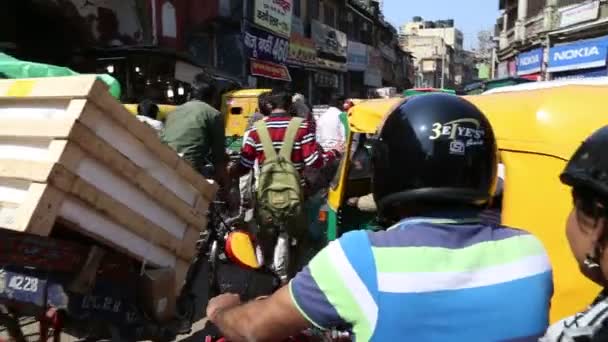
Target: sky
[{"x": 470, "y": 16}]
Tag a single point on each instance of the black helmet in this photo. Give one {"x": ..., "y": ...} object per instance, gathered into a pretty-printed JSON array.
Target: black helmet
[
  {"x": 436, "y": 148},
  {"x": 588, "y": 167}
]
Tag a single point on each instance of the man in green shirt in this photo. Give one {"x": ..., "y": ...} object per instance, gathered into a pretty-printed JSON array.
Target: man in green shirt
[{"x": 196, "y": 131}]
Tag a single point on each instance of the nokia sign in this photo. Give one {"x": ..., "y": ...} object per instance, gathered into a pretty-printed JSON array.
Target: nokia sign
[
  {"x": 529, "y": 62},
  {"x": 576, "y": 53},
  {"x": 580, "y": 55},
  {"x": 525, "y": 61}
]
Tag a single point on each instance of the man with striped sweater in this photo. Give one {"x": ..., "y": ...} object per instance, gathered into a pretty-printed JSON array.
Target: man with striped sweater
[
  {"x": 306, "y": 153},
  {"x": 439, "y": 272}
]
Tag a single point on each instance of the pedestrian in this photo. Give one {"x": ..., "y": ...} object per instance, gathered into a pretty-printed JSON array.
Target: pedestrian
[
  {"x": 195, "y": 130},
  {"x": 330, "y": 131},
  {"x": 305, "y": 153},
  {"x": 147, "y": 112},
  {"x": 248, "y": 182},
  {"x": 438, "y": 273}
]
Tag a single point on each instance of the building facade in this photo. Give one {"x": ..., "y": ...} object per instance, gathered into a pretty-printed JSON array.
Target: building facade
[
  {"x": 441, "y": 60},
  {"x": 551, "y": 39},
  {"x": 155, "y": 47}
]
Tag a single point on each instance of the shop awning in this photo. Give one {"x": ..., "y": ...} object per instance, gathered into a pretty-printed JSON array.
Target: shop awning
[{"x": 584, "y": 54}]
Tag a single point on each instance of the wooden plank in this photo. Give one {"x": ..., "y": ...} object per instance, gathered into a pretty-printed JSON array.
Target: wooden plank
[
  {"x": 35, "y": 171},
  {"x": 150, "y": 139},
  {"x": 49, "y": 87},
  {"x": 100, "y": 228},
  {"x": 71, "y": 183},
  {"x": 34, "y": 128},
  {"x": 122, "y": 140},
  {"x": 39, "y": 211},
  {"x": 120, "y": 164}
]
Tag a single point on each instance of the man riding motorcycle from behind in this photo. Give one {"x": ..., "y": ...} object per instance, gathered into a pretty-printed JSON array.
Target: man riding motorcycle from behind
[{"x": 438, "y": 273}]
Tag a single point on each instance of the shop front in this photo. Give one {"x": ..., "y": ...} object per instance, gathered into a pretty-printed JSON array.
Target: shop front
[
  {"x": 332, "y": 52},
  {"x": 529, "y": 64},
  {"x": 580, "y": 59},
  {"x": 326, "y": 84},
  {"x": 267, "y": 54},
  {"x": 302, "y": 61},
  {"x": 356, "y": 63}
]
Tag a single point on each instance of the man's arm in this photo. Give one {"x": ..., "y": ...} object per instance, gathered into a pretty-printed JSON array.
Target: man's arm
[
  {"x": 271, "y": 319},
  {"x": 317, "y": 296}
]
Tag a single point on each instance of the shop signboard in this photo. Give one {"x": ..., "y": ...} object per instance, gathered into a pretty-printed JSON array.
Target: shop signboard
[
  {"x": 274, "y": 15},
  {"x": 269, "y": 70},
  {"x": 357, "y": 56},
  {"x": 579, "y": 13},
  {"x": 529, "y": 62},
  {"x": 301, "y": 50},
  {"x": 578, "y": 74},
  {"x": 373, "y": 73},
  {"x": 329, "y": 41},
  {"x": 583, "y": 54},
  {"x": 502, "y": 71},
  {"x": 297, "y": 26},
  {"x": 388, "y": 53},
  {"x": 512, "y": 68},
  {"x": 326, "y": 80},
  {"x": 265, "y": 46}
]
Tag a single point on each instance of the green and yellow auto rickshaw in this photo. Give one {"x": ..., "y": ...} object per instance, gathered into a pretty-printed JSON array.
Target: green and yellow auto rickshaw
[
  {"x": 353, "y": 178},
  {"x": 537, "y": 131}
]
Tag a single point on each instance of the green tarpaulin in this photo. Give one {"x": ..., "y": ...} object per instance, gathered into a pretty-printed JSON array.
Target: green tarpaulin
[{"x": 11, "y": 67}]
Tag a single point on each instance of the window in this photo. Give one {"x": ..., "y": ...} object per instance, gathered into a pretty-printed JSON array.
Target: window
[
  {"x": 535, "y": 8},
  {"x": 297, "y": 8},
  {"x": 563, "y": 3},
  {"x": 329, "y": 15},
  {"x": 236, "y": 110},
  {"x": 313, "y": 9}
]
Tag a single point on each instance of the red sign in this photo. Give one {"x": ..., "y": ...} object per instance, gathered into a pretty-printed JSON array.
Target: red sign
[{"x": 269, "y": 70}]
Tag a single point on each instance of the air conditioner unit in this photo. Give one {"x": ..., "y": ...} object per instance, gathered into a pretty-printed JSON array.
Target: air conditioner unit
[
  {"x": 349, "y": 17},
  {"x": 365, "y": 27}
]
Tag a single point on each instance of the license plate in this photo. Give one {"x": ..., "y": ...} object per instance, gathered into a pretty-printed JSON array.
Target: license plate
[{"x": 22, "y": 288}]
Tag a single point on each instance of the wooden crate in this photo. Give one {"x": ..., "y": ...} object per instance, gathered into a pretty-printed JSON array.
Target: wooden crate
[{"x": 69, "y": 150}]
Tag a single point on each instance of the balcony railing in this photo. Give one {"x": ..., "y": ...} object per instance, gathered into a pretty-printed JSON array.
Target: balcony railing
[{"x": 534, "y": 25}]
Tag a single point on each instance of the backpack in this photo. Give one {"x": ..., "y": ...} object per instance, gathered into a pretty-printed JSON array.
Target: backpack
[{"x": 279, "y": 193}]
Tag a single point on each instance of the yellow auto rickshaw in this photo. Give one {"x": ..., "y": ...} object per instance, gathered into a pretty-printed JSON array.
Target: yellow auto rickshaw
[
  {"x": 537, "y": 131},
  {"x": 238, "y": 106},
  {"x": 353, "y": 178}
]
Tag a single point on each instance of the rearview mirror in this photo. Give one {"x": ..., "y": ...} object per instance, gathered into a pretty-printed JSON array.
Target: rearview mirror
[{"x": 241, "y": 250}]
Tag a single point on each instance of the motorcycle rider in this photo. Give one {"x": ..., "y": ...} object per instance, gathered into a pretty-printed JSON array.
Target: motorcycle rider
[
  {"x": 195, "y": 130},
  {"x": 438, "y": 273}
]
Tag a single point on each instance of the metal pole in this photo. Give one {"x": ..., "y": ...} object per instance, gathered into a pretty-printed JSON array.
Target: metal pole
[{"x": 443, "y": 59}]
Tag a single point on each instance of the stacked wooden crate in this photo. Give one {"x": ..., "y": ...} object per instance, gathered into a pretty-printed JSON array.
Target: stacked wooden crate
[{"x": 70, "y": 152}]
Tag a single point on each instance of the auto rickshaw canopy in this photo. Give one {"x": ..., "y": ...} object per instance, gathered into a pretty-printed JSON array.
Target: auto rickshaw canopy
[
  {"x": 247, "y": 93},
  {"x": 366, "y": 116}
]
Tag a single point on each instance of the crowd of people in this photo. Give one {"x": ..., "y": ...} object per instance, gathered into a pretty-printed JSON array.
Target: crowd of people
[{"x": 437, "y": 271}]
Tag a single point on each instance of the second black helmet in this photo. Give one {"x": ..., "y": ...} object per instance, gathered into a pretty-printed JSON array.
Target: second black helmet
[{"x": 434, "y": 148}]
